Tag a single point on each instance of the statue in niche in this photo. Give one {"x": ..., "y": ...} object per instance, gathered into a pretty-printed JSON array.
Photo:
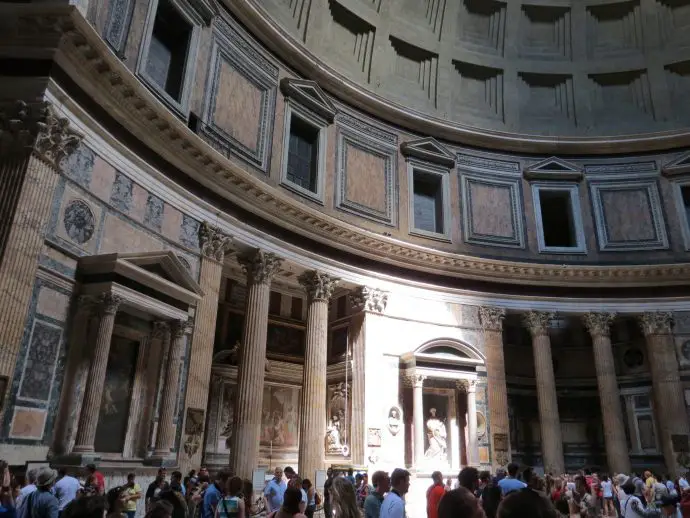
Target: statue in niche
[
  {"x": 227, "y": 414},
  {"x": 438, "y": 437},
  {"x": 337, "y": 428},
  {"x": 394, "y": 421},
  {"x": 333, "y": 443}
]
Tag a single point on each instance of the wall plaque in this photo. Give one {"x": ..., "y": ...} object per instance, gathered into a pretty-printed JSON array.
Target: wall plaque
[{"x": 373, "y": 437}]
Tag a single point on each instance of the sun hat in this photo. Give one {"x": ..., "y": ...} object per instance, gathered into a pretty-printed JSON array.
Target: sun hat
[{"x": 45, "y": 477}]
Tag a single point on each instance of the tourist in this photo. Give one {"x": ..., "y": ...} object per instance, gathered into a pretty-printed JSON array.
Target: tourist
[
  {"x": 231, "y": 505},
  {"x": 290, "y": 504},
  {"x": 469, "y": 479},
  {"x": 343, "y": 499},
  {"x": 86, "y": 507},
  {"x": 484, "y": 481},
  {"x": 434, "y": 494},
  {"x": 671, "y": 486},
  {"x": 525, "y": 504},
  {"x": 66, "y": 489},
  {"x": 640, "y": 489},
  {"x": 669, "y": 507},
  {"x": 350, "y": 476},
  {"x": 99, "y": 479},
  {"x": 173, "y": 495},
  {"x": 213, "y": 494},
  {"x": 511, "y": 483},
  {"x": 203, "y": 472},
  {"x": 132, "y": 494},
  {"x": 296, "y": 482},
  {"x": 274, "y": 491},
  {"x": 117, "y": 502},
  {"x": 247, "y": 495},
  {"x": 607, "y": 494},
  {"x": 372, "y": 503},
  {"x": 289, "y": 473},
  {"x": 41, "y": 503},
  {"x": 326, "y": 494},
  {"x": 683, "y": 484},
  {"x": 363, "y": 490},
  {"x": 29, "y": 488},
  {"x": 584, "y": 497},
  {"x": 631, "y": 505},
  {"x": 153, "y": 486},
  {"x": 176, "y": 482},
  {"x": 7, "y": 507},
  {"x": 160, "y": 509},
  {"x": 491, "y": 499},
  {"x": 459, "y": 503},
  {"x": 393, "y": 505},
  {"x": 311, "y": 497}
]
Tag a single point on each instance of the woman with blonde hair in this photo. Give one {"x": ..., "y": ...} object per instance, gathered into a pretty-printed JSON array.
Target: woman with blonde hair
[{"x": 343, "y": 499}]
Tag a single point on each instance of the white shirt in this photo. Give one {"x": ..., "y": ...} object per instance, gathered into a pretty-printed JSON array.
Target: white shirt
[
  {"x": 393, "y": 506},
  {"x": 683, "y": 483},
  {"x": 23, "y": 493},
  {"x": 607, "y": 489},
  {"x": 65, "y": 490}
]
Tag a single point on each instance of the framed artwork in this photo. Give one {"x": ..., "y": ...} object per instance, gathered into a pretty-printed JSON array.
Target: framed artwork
[{"x": 374, "y": 437}]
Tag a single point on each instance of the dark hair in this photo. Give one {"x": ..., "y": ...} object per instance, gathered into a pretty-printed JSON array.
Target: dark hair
[
  {"x": 527, "y": 475},
  {"x": 378, "y": 477},
  {"x": 130, "y": 475},
  {"x": 161, "y": 509},
  {"x": 437, "y": 476},
  {"x": 113, "y": 496},
  {"x": 306, "y": 483},
  {"x": 491, "y": 498},
  {"x": 484, "y": 476},
  {"x": 62, "y": 472},
  {"x": 177, "y": 475},
  {"x": 291, "y": 500},
  {"x": 248, "y": 494},
  {"x": 289, "y": 471},
  {"x": 628, "y": 488},
  {"x": 526, "y": 504},
  {"x": 91, "y": 467},
  {"x": 85, "y": 507},
  {"x": 459, "y": 503},
  {"x": 513, "y": 469},
  {"x": 235, "y": 486},
  {"x": 469, "y": 478},
  {"x": 350, "y": 471},
  {"x": 222, "y": 476},
  {"x": 399, "y": 475},
  {"x": 161, "y": 471}
]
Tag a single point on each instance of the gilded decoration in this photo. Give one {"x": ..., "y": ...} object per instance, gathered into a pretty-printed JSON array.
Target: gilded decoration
[
  {"x": 656, "y": 323},
  {"x": 492, "y": 318},
  {"x": 364, "y": 298},
  {"x": 259, "y": 266},
  {"x": 25, "y": 126},
  {"x": 537, "y": 322},
  {"x": 319, "y": 286},
  {"x": 598, "y": 324}
]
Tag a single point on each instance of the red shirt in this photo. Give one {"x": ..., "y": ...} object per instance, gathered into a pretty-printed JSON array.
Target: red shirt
[
  {"x": 433, "y": 498},
  {"x": 100, "y": 481}
]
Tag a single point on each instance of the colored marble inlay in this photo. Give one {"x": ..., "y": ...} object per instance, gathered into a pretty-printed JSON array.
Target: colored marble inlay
[
  {"x": 79, "y": 166},
  {"x": 189, "y": 232},
  {"x": 153, "y": 217},
  {"x": 121, "y": 195},
  {"x": 39, "y": 367}
]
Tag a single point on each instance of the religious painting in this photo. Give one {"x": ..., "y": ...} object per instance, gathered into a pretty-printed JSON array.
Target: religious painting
[
  {"x": 227, "y": 415},
  {"x": 280, "y": 417},
  {"x": 117, "y": 395},
  {"x": 285, "y": 342},
  {"x": 339, "y": 407}
]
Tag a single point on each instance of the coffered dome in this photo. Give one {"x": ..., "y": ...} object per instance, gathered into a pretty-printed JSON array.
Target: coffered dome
[{"x": 547, "y": 68}]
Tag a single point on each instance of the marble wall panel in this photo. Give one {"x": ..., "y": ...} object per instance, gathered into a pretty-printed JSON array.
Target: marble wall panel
[
  {"x": 28, "y": 423},
  {"x": 121, "y": 195},
  {"x": 139, "y": 198},
  {"x": 102, "y": 179},
  {"x": 79, "y": 166},
  {"x": 120, "y": 236},
  {"x": 38, "y": 370},
  {"x": 366, "y": 178},
  {"x": 52, "y": 303}
]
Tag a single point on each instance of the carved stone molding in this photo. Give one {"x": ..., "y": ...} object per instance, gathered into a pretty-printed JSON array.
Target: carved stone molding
[
  {"x": 26, "y": 127},
  {"x": 108, "y": 303},
  {"x": 492, "y": 317},
  {"x": 160, "y": 329},
  {"x": 537, "y": 322},
  {"x": 179, "y": 328},
  {"x": 213, "y": 243},
  {"x": 657, "y": 323},
  {"x": 319, "y": 286},
  {"x": 598, "y": 324},
  {"x": 259, "y": 266},
  {"x": 364, "y": 298}
]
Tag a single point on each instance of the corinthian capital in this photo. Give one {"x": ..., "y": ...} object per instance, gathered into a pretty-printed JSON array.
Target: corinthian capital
[
  {"x": 212, "y": 242},
  {"x": 34, "y": 126},
  {"x": 537, "y": 322},
  {"x": 656, "y": 323},
  {"x": 259, "y": 266},
  {"x": 364, "y": 298},
  {"x": 319, "y": 286},
  {"x": 598, "y": 324},
  {"x": 491, "y": 317},
  {"x": 108, "y": 303}
]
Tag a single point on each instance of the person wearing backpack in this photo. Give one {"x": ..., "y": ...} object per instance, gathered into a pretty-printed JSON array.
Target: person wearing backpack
[
  {"x": 232, "y": 504},
  {"x": 41, "y": 503}
]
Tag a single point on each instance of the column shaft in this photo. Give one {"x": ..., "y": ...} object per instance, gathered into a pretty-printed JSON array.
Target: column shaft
[
  {"x": 357, "y": 346},
  {"x": 171, "y": 390},
  {"x": 609, "y": 396},
  {"x": 418, "y": 410},
  {"x": 551, "y": 440},
  {"x": 473, "y": 446},
  {"x": 93, "y": 392}
]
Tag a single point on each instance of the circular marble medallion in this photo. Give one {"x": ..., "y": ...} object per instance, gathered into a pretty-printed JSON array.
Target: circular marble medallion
[{"x": 79, "y": 221}]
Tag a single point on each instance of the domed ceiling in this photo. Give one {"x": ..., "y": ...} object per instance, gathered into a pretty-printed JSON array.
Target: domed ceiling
[{"x": 545, "y": 68}]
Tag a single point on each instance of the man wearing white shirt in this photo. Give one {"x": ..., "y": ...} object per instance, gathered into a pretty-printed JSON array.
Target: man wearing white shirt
[
  {"x": 27, "y": 489},
  {"x": 683, "y": 483},
  {"x": 65, "y": 489},
  {"x": 394, "y": 504}
]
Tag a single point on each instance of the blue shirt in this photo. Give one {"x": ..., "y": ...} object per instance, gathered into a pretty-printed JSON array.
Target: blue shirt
[
  {"x": 393, "y": 506},
  {"x": 65, "y": 490},
  {"x": 274, "y": 492},
  {"x": 508, "y": 485},
  {"x": 43, "y": 505},
  {"x": 211, "y": 499}
]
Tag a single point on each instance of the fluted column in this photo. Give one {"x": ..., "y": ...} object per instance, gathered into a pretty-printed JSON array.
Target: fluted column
[
  {"x": 93, "y": 392},
  {"x": 598, "y": 325},
  {"x": 473, "y": 445},
  {"x": 213, "y": 244},
  {"x": 492, "y": 325},
  {"x": 669, "y": 402},
  {"x": 260, "y": 268},
  {"x": 366, "y": 303},
  {"x": 33, "y": 144},
  {"x": 418, "y": 419},
  {"x": 319, "y": 288},
  {"x": 551, "y": 440},
  {"x": 171, "y": 389}
]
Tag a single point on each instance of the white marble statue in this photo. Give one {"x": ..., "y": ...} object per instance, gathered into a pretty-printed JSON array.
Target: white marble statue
[
  {"x": 438, "y": 437},
  {"x": 333, "y": 444}
]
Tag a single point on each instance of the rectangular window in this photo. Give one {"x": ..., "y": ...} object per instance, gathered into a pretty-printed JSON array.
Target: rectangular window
[
  {"x": 645, "y": 427},
  {"x": 428, "y": 202},
  {"x": 303, "y": 154},
  {"x": 557, "y": 219},
  {"x": 341, "y": 308},
  {"x": 296, "y": 308},
  {"x": 274, "y": 301},
  {"x": 168, "y": 49}
]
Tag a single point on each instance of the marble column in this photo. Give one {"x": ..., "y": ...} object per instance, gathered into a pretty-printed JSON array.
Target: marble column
[
  {"x": 551, "y": 440},
  {"x": 598, "y": 325},
  {"x": 669, "y": 402},
  {"x": 499, "y": 425},
  {"x": 171, "y": 390},
  {"x": 213, "y": 244},
  {"x": 473, "y": 445},
  {"x": 260, "y": 268},
  {"x": 319, "y": 288},
  {"x": 366, "y": 303},
  {"x": 418, "y": 419},
  {"x": 93, "y": 392},
  {"x": 35, "y": 142}
]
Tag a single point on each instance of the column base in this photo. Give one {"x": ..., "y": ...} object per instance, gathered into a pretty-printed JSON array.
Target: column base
[{"x": 76, "y": 459}]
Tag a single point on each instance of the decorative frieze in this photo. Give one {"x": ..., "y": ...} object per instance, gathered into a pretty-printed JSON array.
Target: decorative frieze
[
  {"x": 657, "y": 323},
  {"x": 598, "y": 324},
  {"x": 213, "y": 243},
  {"x": 319, "y": 286},
  {"x": 492, "y": 317},
  {"x": 259, "y": 266},
  {"x": 537, "y": 322},
  {"x": 364, "y": 298},
  {"x": 35, "y": 126}
]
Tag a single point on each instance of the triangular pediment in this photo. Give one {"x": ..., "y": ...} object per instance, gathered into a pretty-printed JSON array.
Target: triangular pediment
[
  {"x": 553, "y": 169},
  {"x": 165, "y": 265},
  {"x": 679, "y": 166},
  {"x": 309, "y": 94},
  {"x": 428, "y": 150}
]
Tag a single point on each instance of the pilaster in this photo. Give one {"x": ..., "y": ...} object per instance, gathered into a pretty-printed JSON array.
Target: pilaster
[{"x": 418, "y": 418}]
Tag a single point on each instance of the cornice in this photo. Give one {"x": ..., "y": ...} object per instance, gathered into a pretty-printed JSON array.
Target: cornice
[
  {"x": 260, "y": 24},
  {"x": 87, "y": 59}
]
